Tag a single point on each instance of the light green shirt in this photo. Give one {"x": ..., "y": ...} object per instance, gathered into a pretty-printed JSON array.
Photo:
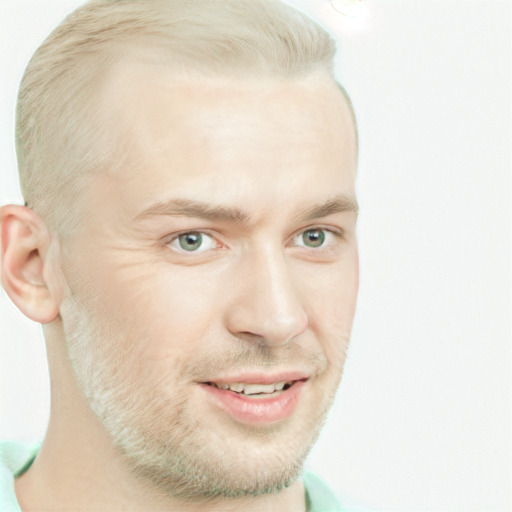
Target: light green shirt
[{"x": 16, "y": 458}]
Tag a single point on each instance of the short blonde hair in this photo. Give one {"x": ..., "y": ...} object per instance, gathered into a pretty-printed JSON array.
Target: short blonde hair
[{"x": 59, "y": 148}]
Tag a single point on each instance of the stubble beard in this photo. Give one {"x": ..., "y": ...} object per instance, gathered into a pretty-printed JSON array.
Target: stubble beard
[{"x": 162, "y": 443}]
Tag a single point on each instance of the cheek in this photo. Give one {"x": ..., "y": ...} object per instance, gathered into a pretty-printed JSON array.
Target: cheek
[
  {"x": 332, "y": 309},
  {"x": 165, "y": 311}
]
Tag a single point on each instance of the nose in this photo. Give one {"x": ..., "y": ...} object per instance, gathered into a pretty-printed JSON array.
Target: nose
[{"x": 266, "y": 306}]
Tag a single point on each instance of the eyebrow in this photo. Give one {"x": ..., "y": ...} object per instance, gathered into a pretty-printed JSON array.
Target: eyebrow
[
  {"x": 338, "y": 204},
  {"x": 212, "y": 212},
  {"x": 191, "y": 208}
]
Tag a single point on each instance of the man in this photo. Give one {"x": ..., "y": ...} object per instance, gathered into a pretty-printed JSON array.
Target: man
[{"x": 189, "y": 245}]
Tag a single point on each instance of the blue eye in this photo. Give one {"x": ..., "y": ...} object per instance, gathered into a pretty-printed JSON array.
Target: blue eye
[{"x": 194, "y": 241}]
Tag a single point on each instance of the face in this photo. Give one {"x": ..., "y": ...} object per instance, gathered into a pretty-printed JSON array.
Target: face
[{"x": 212, "y": 287}]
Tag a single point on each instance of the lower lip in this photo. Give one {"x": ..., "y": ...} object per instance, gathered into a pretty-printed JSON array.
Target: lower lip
[{"x": 256, "y": 410}]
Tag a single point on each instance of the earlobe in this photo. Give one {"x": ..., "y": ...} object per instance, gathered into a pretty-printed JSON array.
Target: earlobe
[{"x": 25, "y": 242}]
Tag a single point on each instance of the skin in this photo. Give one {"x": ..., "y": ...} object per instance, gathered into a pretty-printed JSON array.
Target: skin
[{"x": 134, "y": 324}]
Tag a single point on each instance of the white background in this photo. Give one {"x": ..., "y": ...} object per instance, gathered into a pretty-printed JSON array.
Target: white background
[{"x": 423, "y": 417}]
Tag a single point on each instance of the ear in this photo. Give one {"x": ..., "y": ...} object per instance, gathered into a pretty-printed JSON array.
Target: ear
[{"x": 24, "y": 244}]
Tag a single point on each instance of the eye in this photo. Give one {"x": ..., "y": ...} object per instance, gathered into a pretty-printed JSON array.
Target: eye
[
  {"x": 314, "y": 238},
  {"x": 193, "y": 242}
]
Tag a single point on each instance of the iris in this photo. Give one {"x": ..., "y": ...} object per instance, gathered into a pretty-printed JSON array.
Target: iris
[
  {"x": 313, "y": 237},
  {"x": 190, "y": 241}
]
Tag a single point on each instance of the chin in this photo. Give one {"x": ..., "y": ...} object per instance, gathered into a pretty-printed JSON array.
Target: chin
[
  {"x": 203, "y": 462},
  {"x": 232, "y": 475}
]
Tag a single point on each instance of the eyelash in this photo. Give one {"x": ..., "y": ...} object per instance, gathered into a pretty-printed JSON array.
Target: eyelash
[{"x": 337, "y": 234}]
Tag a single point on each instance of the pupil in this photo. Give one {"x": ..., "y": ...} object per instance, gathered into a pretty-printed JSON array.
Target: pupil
[
  {"x": 190, "y": 241},
  {"x": 313, "y": 237}
]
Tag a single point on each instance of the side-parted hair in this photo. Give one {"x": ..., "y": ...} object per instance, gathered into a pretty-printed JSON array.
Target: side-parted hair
[{"x": 59, "y": 146}]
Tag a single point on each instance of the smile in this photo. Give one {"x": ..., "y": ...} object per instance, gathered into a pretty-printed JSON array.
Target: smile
[
  {"x": 255, "y": 403},
  {"x": 253, "y": 389}
]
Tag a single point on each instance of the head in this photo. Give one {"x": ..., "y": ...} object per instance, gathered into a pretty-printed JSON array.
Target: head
[
  {"x": 190, "y": 168},
  {"x": 60, "y": 141}
]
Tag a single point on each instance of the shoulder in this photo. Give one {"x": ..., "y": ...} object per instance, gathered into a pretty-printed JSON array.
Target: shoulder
[
  {"x": 320, "y": 498},
  {"x": 15, "y": 459}
]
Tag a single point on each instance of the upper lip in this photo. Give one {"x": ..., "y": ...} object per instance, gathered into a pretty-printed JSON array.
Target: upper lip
[{"x": 260, "y": 377}]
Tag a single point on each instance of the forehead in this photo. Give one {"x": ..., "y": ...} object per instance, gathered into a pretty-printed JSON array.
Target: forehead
[{"x": 206, "y": 136}]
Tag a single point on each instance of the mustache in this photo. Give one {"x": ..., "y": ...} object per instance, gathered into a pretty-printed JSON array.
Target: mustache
[{"x": 256, "y": 357}]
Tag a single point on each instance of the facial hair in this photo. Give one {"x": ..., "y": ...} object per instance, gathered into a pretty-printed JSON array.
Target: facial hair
[{"x": 164, "y": 441}]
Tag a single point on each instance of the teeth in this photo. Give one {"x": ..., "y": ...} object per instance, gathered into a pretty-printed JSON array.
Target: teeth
[{"x": 253, "y": 389}]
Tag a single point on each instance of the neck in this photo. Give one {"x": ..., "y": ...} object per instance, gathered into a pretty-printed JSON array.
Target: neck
[{"x": 79, "y": 468}]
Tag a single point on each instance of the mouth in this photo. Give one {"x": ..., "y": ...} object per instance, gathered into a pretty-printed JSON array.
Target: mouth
[
  {"x": 256, "y": 403},
  {"x": 254, "y": 390}
]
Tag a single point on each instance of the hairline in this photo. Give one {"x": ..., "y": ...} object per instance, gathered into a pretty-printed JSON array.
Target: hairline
[{"x": 148, "y": 47}]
